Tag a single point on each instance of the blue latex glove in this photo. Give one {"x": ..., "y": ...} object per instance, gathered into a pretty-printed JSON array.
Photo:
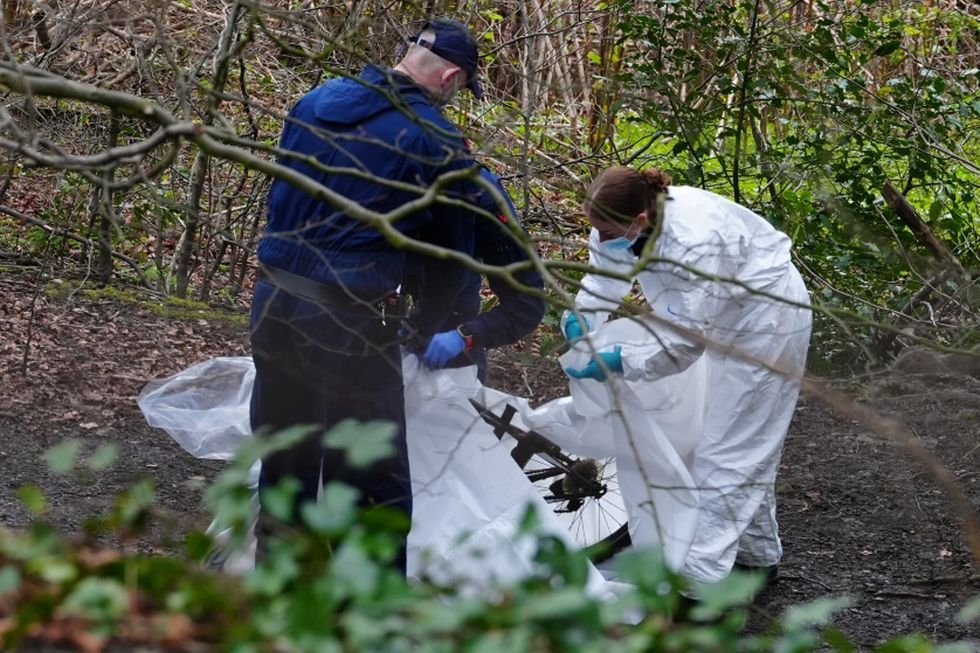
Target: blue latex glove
[
  {"x": 444, "y": 347},
  {"x": 613, "y": 361},
  {"x": 573, "y": 328}
]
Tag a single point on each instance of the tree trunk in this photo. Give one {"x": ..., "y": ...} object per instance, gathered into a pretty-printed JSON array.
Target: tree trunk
[
  {"x": 199, "y": 170},
  {"x": 107, "y": 213}
]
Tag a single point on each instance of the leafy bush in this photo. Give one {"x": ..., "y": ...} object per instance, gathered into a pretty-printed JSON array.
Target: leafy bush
[{"x": 329, "y": 587}]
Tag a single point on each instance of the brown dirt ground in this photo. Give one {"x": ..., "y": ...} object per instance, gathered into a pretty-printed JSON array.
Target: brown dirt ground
[{"x": 859, "y": 515}]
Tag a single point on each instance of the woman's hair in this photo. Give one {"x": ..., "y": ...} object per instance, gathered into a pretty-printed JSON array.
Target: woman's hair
[{"x": 620, "y": 194}]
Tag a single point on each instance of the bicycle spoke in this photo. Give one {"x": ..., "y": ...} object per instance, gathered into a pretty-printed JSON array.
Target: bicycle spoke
[
  {"x": 583, "y": 492},
  {"x": 590, "y": 517}
]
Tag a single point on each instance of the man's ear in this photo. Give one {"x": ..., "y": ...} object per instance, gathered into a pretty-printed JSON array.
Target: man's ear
[
  {"x": 643, "y": 219},
  {"x": 450, "y": 74}
]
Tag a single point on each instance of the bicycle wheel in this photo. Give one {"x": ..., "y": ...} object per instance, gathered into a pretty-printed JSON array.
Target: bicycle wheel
[
  {"x": 585, "y": 496},
  {"x": 583, "y": 492}
]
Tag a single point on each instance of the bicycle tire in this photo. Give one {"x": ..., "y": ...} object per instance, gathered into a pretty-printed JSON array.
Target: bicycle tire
[
  {"x": 598, "y": 524},
  {"x": 584, "y": 492}
]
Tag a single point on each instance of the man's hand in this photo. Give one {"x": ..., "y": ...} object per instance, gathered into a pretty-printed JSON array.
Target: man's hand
[
  {"x": 443, "y": 348},
  {"x": 612, "y": 361},
  {"x": 574, "y": 329}
]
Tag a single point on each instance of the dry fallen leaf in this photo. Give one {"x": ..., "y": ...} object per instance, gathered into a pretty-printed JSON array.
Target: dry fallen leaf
[
  {"x": 97, "y": 557},
  {"x": 945, "y": 553},
  {"x": 88, "y": 426}
]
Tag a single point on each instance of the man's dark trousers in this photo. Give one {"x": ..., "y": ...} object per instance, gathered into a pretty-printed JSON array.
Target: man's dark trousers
[{"x": 320, "y": 364}]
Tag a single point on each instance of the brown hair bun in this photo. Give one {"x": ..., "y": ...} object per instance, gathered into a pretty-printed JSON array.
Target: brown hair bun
[{"x": 656, "y": 180}]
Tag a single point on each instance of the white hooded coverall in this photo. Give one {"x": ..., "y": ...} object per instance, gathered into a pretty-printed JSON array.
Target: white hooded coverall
[{"x": 736, "y": 329}]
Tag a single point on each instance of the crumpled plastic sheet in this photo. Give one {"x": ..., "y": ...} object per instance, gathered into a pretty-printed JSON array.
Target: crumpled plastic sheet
[{"x": 469, "y": 496}]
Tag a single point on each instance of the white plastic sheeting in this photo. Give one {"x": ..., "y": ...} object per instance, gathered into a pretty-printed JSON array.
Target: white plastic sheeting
[
  {"x": 205, "y": 407},
  {"x": 469, "y": 495}
]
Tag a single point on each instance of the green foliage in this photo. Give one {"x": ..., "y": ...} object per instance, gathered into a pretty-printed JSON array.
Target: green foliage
[
  {"x": 330, "y": 587},
  {"x": 32, "y": 498},
  {"x": 103, "y": 457},
  {"x": 102, "y": 602},
  {"x": 65, "y": 457},
  {"x": 804, "y": 119},
  {"x": 365, "y": 443}
]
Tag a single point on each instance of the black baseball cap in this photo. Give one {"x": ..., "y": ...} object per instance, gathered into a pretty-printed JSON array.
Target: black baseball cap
[{"x": 453, "y": 42}]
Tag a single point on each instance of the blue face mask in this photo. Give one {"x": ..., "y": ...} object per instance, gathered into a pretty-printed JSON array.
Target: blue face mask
[
  {"x": 621, "y": 243},
  {"x": 618, "y": 244}
]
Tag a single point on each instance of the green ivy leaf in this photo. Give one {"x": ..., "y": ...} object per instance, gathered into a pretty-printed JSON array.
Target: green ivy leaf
[
  {"x": 274, "y": 573},
  {"x": 334, "y": 512},
  {"x": 354, "y": 571},
  {"x": 53, "y": 568},
  {"x": 530, "y": 521},
  {"x": 133, "y": 504},
  {"x": 815, "y": 613},
  {"x": 198, "y": 545},
  {"x": 838, "y": 641},
  {"x": 518, "y": 639},
  {"x": 9, "y": 579},
  {"x": 102, "y": 600},
  {"x": 32, "y": 498},
  {"x": 970, "y": 611},
  {"x": 252, "y": 449},
  {"x": 436, "y": 618},
  {"x": 364, "y": 442},
  {"x": 278, "y": 500},
  {"x": 952, "y": 647},
  {"x": 734, "y": 591},
  {"x": 887, "y": 48},
  {"x": 103, "y": 457},
  {"x": 61, "y": 458},
  {"x": 563, "y": 603}
]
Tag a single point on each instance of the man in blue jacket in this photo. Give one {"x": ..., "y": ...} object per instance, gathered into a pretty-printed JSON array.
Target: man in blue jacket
[{"x": 324, "y": 333}]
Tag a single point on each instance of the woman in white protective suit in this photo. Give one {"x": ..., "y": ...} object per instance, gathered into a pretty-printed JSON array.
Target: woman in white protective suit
[{"x": 725, "y": 295}]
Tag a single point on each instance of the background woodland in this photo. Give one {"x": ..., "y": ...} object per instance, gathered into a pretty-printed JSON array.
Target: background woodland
[{"x": 135, "y": 136}]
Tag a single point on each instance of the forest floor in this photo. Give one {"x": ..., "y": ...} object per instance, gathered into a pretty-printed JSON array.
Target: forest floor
[{"x": 860, "y": 516}]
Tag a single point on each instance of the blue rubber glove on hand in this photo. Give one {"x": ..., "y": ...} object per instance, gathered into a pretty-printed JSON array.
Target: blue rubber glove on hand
[
  {"x": 613, "y": 361},
  {"x": 573, "y": 328},
  {"x": 444, "y": 347}
]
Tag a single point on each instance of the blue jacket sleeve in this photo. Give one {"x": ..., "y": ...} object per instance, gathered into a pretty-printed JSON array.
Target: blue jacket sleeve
[{"x": 516, "y": 313}]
